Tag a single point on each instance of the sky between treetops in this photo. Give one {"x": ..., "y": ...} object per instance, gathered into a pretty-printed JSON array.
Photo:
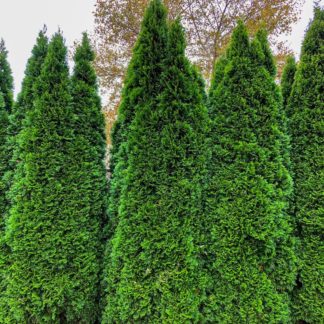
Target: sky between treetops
[{"x": 21, "y": 20}]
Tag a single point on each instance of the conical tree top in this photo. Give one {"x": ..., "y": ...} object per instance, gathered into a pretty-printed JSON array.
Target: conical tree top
[
  {"x": 83, "y": 58},
  {"x": 240, "y": 43},
  {"x": 55, "y": 68},
  {"x": 268, "y": 60},
  {"x": 287, "y": 78},
  {"x": 314, "y": 40},
  {"x": 33, "y": 69},
  {"x": 177, "y": 39}
]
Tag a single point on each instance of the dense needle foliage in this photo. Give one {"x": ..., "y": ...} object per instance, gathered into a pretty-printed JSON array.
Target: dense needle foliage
[
  {"x": 142, "y": 82},
  {"x": 246, "y": 198},
  {"x": 25, "y": 99},
  {"x": 287, "y": 79},
  {"x": 51, "y": 230},
  {"x": 306, "y": 105},
  {"x": 6, "y": 102},
  {"x": 154, "y": 275},
  {"x": 90, "y": 184}
]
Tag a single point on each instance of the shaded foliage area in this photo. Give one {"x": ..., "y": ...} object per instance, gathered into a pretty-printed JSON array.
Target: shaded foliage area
[{"x": 305, "y": 106}]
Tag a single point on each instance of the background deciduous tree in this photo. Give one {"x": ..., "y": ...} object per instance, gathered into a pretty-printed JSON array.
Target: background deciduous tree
[{"x": 208, "y": 25}]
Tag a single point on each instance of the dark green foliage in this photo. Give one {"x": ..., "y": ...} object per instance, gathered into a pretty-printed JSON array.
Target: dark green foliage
[
  {"x": 52, "y": 230},
  {"x": 306, "y": 105},
  {"x": 90, "y": 178},
  {"x": 287, "y": 79},
  {"x": 218, "y": 73},
  {"x": 26, "y": 97},
  {"x": 142, "y": 82},
  {"x": 153, "y": 275},
  {"x": 283, "y": 267},
  {"x": 3, "y": 203},
  {"x": 268, "y": 60},
  {"x": 6, "y": 102},
  {"x": 6, "y": 79},
  {"x": 6, "y": 92},
  {"x": 247, "y": 194},
  {"x": 24, "y": 104}
]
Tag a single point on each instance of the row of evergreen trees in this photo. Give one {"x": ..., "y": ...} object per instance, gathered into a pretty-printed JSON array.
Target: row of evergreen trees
[
  {"x": 215, "y": 201},
  {"x": 53, "y": 189}
]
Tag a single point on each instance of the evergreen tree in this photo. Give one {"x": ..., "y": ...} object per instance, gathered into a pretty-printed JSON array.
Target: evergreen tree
[
  {"x": 154, "y": 273},
  {"x": 284, "y": 267},
  {"x": 90, "y": 174},
  {"x": 246, "y": 199},
  {"x": 23, "y": 104},
  {"x": 6, "y": 90},
  {"x": 26, "y": 96},
  {"x": 267, "y": 59},
  {"x": 3, "y": 168},
  {"x": 287, "y": 79},
  {"x": 6, "y": 102},
  {"x": 53, "y": 238},
  {"x": 142, "y": 82},
  {"x": 306, "y": 105}
]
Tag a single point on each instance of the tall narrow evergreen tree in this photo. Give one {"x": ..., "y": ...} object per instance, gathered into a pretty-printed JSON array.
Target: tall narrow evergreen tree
[
  {"x": 23, "y": 104},
  {"x": 6, "y": 102},
  {"x": 142, "y": 82},
  {"x": 89, "y": 171},
  {"x": 154, "y": 273},
  {"x": 26, "y": 96},
  {"x": 54, "y": 264},
  {"x": 3, "y": 168},
  {"x": 287, "y": 79},
  {"x": 284, "y": 269},
  {"x": 306, "y": 105},
  {"x": 245, "y": 205},
  {"x": 6, "y": 90}
]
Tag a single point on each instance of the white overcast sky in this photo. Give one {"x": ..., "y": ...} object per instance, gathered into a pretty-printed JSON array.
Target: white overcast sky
[{"x": 21, "y": 20}]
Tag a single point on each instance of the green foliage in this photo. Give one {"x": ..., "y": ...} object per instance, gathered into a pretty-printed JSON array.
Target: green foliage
[
  {"x": 90, "y": 179},
  {"x": 153, "y": 274},
  {"x": 24, "y": 104},
  {"x": 287, "y": 79},
  {"x": 6, "y": 102},
  {"x": 268, "y": 60},
  {"x": 218, "y": 73},
  {"x": 306, "y": 105},
  {"x": 142, "y": 82},
  {"x": 6, "y": 79},
  {"x": 247, "y": 194},
  {"x": 53, "y": 227},
  {"x": 3, "y": 203}
]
